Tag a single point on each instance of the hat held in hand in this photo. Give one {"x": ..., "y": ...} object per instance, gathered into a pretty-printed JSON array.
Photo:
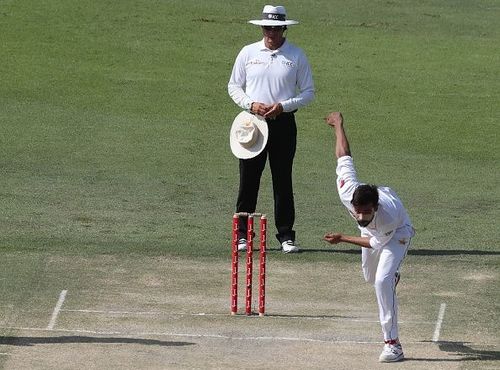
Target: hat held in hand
[{"x": 248, "y": 135}]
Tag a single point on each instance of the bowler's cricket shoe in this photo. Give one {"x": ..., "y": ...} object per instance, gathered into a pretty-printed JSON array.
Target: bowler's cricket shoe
[
  {"x": 289, "y": 247},
  {"x": 392, "y": 353}
]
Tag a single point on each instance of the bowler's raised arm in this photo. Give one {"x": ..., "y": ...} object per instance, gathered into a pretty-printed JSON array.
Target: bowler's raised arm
[{"x": 336, "y": 121}]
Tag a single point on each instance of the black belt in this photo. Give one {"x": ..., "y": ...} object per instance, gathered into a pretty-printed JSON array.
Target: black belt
[{"x": 284, "y": 114}]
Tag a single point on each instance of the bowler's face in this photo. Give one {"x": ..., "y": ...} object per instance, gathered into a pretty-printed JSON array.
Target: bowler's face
[
  {"x": 273, "y": 36},
  {"x": 364, "y": 214}
]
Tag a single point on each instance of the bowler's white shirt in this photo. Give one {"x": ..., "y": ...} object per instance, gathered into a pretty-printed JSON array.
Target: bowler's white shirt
[
  {"x": 391, "y": 216},
  {"x": 271, "y": 76}
]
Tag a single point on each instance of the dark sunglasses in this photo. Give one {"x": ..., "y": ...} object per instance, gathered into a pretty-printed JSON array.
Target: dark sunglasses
[{"x": 273, "y": 28}]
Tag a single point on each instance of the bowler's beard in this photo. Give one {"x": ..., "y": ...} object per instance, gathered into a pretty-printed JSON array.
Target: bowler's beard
[{"x": 364, "y": 223}]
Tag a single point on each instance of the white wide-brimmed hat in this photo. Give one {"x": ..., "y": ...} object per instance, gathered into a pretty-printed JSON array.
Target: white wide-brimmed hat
[
  {"x": 248, "y": 135},
  {"x": 273, "y": 16}
]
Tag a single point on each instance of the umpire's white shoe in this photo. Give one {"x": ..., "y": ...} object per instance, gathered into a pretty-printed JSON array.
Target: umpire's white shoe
[
  {"x": 392, "y": 353},
  {"x": 289, "y": 247},
  {"x": 242, "y": 244}
]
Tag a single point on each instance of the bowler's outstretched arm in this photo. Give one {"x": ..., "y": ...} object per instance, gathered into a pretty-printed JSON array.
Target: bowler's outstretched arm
[{"x": 336, "y": 238}]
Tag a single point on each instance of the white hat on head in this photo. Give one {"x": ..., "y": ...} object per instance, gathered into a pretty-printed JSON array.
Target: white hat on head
[
  {"x": 273, "y": 16},
  {"x": 248, "y": 135}
]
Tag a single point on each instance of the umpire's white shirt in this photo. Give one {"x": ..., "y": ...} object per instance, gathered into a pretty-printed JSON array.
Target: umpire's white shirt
[
  {"x": 271, "y": 76},
  {"x": 391, "y": 217}
]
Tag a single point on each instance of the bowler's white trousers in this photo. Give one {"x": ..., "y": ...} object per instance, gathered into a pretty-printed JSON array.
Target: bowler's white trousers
[{"x": 379, "y": 269}]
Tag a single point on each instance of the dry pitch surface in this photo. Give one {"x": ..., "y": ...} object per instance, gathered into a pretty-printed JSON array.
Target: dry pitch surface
[{"x": 170, "y": 313}]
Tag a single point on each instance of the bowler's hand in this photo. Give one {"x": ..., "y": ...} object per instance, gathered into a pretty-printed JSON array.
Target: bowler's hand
[
  {"x": 274, "y": 111},
  {"x": 333, "y": 238},
  {"x": 334, "y": 119}
]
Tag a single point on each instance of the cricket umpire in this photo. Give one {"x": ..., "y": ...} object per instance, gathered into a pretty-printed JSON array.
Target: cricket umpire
[
  {"x": 271, "y": 78},
  {"x": 386, "y": 231}
]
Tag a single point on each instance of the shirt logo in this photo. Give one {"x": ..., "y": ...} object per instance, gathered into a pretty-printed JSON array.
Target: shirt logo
[
  {"x": 342, "y": 183},
  {"x": 288, "y": 63},
  {"x": 255, "y": 61}
]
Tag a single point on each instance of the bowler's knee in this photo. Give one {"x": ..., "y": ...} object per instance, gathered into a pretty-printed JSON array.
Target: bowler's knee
[
  {"x": 369, "y": 277},
  {"x": 383, "y": 283}
]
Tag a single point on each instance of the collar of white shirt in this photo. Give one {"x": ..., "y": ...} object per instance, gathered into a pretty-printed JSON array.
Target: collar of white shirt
[{"x": 264, "y": 48}]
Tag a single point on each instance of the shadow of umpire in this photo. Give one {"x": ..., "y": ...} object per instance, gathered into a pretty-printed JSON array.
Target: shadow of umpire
[
  {"x": 31, "y": 341},
  {"x": 461, "y": 349}
]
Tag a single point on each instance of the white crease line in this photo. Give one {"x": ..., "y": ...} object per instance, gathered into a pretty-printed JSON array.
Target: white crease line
[
  {"x": 439, "y": 322},
  {"x": 115, "y": 312},
  {"x": 203, "y": 314},
  {"x": 270, "y": 316},
  {"x": 57, "y": 309}
]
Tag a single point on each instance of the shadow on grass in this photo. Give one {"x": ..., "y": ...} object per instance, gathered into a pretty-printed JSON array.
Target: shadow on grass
[
  {"x": 31, "y": 341},
  {"x": 469, "y": 353},
  {"x": 412, "y": 252},
  {"x": 313, "y": 317},
  {"x": 461, "y": 349},
  {"x": 453, "y": 252}
]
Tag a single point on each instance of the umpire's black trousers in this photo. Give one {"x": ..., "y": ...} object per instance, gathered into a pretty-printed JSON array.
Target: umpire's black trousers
[{"x": 280, "y": 148}]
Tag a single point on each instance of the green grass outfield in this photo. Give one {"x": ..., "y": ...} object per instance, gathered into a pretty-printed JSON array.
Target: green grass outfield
[{"x": 114, "y": 143}]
